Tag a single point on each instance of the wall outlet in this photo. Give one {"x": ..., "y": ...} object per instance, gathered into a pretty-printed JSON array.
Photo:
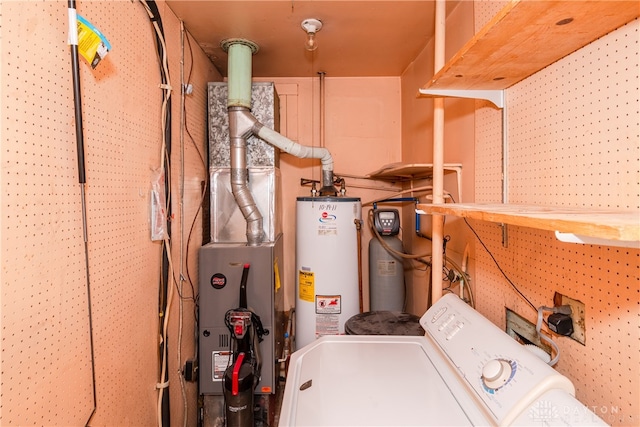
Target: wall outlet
[
  {"x": 577, "y": 316},
  {"x": 191, "y": 370}
]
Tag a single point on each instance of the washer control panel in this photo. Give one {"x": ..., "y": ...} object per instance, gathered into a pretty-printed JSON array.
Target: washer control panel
[{"x": 503, "y": 374}]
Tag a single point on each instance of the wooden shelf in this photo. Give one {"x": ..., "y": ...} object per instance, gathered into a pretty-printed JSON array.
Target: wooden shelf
[
  {"x": 525, "y": 37},
  {"x": 408, "y": 171},
  {"x": 599, "y": 224}
]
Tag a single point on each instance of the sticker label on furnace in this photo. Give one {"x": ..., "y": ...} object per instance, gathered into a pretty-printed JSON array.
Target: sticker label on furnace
[
  {"x": 306, "y": 285},
  {"x": 220, "y": 362}
]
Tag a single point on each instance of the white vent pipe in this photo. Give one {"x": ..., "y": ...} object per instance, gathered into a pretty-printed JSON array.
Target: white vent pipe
[{"x": 242, "y": 124}]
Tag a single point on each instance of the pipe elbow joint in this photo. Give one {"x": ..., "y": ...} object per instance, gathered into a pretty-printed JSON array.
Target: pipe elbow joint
[{"x": 327, "y": 161}]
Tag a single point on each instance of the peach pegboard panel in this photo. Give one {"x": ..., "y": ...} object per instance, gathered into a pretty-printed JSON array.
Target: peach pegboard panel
[
  {"x": 485, "y": 10},
  {"x": 488, "y": 128},
  {"x": 573, "y": 132},
  {"x": 579, "y": 146},
  {"x": 187, "y": 183},
  {"x": 45, "y": 334},
  {"x": 488, "y": 153},
  {"x": 122, "y": 132},
  {"x": 46, "y": 354}
]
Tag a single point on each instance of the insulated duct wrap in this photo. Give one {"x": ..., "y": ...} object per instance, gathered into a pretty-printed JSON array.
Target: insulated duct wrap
[
  {"x": 303, "y": 152},
  {"x": 295, "y": 149}
]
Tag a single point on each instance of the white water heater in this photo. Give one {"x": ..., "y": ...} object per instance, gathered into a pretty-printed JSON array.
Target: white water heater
[{"x": 327, "y": 292}]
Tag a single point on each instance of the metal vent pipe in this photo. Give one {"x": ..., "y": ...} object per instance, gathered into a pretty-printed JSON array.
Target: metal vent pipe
[{"x": 242, "y": 124}]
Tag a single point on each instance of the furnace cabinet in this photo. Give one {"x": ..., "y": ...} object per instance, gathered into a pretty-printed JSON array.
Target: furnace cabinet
[{"x": 220, "y": 273}]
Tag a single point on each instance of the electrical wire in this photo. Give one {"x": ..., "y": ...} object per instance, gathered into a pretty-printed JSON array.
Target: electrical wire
[
  {"x": 163, "y": 369},
  {"x": 204, "y": 189},
  {"x": 400, "y": 193},
  {"x": 194, "y": 296},
  {"x": 180, "y": 285},
  {"x": 513, "y": 285},
  {"x": 185, "y": 260},
  {"x": 463, "y": 277},
  {"x": 544, "y": 337},
  {"x": 165, "y": 155},
  {"x": 184, "y": 257}
]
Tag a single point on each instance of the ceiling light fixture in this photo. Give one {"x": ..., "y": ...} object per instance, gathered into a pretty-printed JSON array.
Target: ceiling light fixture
[{"x": 311, "y": 27}]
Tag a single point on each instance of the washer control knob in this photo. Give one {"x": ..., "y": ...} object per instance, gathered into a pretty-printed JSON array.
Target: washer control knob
[{"x": 496, "y": 373}]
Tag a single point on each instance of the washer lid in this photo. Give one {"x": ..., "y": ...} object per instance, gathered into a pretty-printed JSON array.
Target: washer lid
[{"x": 373, "y": 381}]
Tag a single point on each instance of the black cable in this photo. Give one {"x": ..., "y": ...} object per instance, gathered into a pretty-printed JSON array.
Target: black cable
[
  {"x": 205, "y": 188},
  {"x": 513, "y": 285},
  {"x": 155, "y": 18},
  {"x": 186, "y": 128}
]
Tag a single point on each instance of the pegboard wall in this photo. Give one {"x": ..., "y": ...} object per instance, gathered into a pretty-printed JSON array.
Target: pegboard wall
[
  {"x": 573, "y": 132},
  {"x": 46, "y": 354},
  {"x": 45, "y": 335},
  {"x": 485, "y": 10},
  {"x": 188, "y": 176}
]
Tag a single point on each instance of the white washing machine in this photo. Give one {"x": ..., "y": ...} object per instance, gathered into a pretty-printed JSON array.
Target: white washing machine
[{"x": 464, "y": 371}]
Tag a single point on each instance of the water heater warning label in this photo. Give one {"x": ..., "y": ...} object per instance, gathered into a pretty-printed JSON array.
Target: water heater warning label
[
  {"x": 327, "y": 324},
  {"x": 328, "y": 309},
  {"x": 306, "y": 286},
  {"x": 328, "y": 304}
]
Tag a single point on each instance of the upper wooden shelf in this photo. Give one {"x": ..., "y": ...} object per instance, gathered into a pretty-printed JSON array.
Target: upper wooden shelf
[
  {"x": 596, "y": 223},
  {"x": 525, "y": 37}
]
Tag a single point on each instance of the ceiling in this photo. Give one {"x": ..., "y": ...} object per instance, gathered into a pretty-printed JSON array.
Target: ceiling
[{"x": 358, "y": 38}]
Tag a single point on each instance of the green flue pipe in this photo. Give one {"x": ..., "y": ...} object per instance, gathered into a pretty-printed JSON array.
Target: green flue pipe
[{"x": 239, "y": 71}]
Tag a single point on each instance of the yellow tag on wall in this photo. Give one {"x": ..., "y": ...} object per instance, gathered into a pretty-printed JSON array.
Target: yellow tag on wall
[
  {"x": 306, "y": 286},
  {"x": 92, "y": 44}
]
